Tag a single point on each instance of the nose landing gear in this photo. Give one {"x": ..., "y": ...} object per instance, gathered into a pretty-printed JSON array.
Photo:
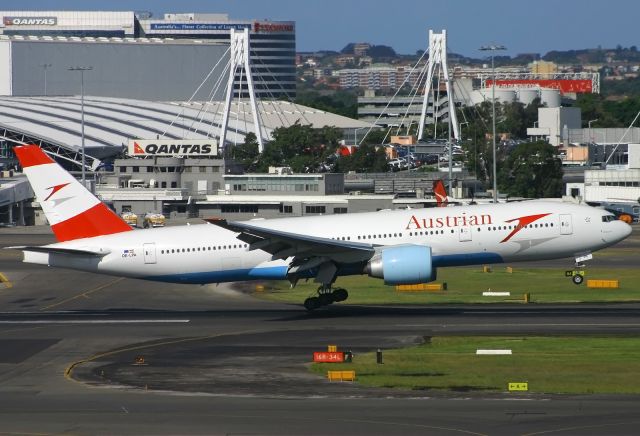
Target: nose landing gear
[{"x": 577, "y": 275}]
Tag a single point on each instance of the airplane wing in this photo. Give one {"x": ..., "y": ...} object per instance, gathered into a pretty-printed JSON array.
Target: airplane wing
[
  {"x": 307, "y": 251},
  {"x": 59, "y": 250}
]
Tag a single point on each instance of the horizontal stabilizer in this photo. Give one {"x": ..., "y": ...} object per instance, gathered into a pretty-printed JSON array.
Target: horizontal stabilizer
[{"x": 89, "y": 252}]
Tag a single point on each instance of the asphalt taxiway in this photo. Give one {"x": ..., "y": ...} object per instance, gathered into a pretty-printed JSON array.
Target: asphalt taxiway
[{"x": 217, "y": 361}]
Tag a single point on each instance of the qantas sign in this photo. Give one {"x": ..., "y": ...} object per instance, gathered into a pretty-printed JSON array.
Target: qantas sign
[
  {"x": 30, "y": 21},
  {"x": 157, "y": 147}
]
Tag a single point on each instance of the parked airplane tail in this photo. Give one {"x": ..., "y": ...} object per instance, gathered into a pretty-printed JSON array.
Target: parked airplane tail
[
  {"x": 73, "y": 212},
  {"x": 440, "y": 192}
]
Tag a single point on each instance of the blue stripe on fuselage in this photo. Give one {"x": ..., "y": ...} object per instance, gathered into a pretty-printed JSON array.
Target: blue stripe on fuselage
[
  {"x": 466, "y": 259},
  {"x": 233, "y": 275}
]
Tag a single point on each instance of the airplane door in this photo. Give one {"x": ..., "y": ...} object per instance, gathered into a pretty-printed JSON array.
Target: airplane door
[
  {"x": 464, "y": 234},
  {"x": 566, "y": 228},
  {"x": 149, "y": 252}
]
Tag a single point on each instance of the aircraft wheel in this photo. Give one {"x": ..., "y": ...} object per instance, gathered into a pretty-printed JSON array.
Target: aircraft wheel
[
  {"x": 312, "y": 303},
  {"x": 577, "y": 279},
  {"x": 340, "y": 295},
  {"x": 325, "y": 299}
]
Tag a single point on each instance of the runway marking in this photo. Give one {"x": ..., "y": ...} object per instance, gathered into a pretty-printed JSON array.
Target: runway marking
[
  {"x": 404, "y": 424},
  {"x": 84, "y": 294},
  {"x": 98, "y": 321},
  {"x": 579, "y": 428},
  {"x": 525, "y": 325},
  {"x": 7, "y": 283},
  {"x": 19, "y": 330},
  {"x": 25, "y": 434}
]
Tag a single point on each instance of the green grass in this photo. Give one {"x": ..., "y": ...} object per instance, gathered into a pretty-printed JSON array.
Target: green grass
[
  {"x": 466, "y": 284},
  {"x": 575, "y": 365}
]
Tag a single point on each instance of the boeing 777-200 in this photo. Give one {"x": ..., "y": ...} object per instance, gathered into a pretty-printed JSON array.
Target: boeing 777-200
[{"x": 400, "y": 246}]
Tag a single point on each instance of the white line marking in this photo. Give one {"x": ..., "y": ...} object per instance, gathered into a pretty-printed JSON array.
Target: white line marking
[
  {"x": 523, "y": 325},
  {"x": 100, "y": 321}
]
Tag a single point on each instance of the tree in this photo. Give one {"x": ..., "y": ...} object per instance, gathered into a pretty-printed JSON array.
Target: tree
[
  {"x": 532, "y": 170},
  {"x": 247, "y": 152},
  {"x": 343, "y": 103},
  {"x": 299, "y": 146},
  {"x": 381, "y": 51},
  {"x": 367, "y": 158}
]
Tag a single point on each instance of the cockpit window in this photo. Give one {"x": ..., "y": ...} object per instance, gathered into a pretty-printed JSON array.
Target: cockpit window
[{"x": 608, "y": 218}]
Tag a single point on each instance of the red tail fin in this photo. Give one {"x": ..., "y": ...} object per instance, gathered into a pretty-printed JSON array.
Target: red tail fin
[
  {"x": 440, "y": 192},
  {"x": 72, "y": 211}
]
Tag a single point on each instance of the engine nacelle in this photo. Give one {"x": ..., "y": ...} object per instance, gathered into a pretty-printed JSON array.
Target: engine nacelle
[{"x": 402, "y": 265}]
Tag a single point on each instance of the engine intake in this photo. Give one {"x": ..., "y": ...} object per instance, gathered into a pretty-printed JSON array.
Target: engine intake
[{"x": 402, "y": 265}]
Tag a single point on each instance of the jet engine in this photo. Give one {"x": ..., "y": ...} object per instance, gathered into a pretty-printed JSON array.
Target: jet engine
[{"x": 403, "y": 264}]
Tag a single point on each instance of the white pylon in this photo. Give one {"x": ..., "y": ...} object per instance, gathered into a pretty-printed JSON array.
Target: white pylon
[
  {"x": 240, "y": 60},
  {"x": 438, "y": 55}
]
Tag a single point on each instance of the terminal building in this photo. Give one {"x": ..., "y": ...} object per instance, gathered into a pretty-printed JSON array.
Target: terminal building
[
  {"x": 171, "y": 182},
  {"x": 136, "y": 55}
]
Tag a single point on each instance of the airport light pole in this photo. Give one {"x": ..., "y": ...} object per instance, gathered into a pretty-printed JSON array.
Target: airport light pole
[
  {"x": 82, "y": 70},
  {"x": 590, "y": 135},
  {"x": 44, "y": 67},
  {"x": 493, "y": 48}
]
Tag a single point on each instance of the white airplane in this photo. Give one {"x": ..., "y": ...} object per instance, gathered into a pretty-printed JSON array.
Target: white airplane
[{"x": 401, "y": 246}]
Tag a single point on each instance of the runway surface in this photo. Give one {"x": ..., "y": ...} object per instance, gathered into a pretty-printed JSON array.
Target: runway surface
[{"x": 217, "y": 361}]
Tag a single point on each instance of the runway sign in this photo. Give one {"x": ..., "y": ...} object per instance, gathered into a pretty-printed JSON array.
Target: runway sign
[
  {"x": 518, "y": 386},
  {"x": 328, "y": 357}
]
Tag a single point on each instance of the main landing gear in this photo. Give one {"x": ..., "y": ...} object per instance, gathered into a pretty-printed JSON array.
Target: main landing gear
[
  {"x": 326, "y": 296},
  {"x": 577, "y": 276}
]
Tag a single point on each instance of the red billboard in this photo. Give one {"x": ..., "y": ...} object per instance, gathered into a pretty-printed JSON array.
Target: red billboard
[{"x": 579, "y": 86}]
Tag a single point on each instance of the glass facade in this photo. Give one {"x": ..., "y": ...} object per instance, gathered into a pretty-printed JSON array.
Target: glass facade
[{"x": 273, "y": 43}]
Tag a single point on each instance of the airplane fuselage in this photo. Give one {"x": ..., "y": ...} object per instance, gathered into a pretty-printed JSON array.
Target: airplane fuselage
[{"x": 462, "y": 235}]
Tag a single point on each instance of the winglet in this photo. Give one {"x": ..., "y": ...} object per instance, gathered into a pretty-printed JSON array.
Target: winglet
[{"x": 72, "y": 211}]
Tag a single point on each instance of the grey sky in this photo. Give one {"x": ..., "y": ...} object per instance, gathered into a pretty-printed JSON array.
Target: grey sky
[{"x": 523, "y": 26}]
